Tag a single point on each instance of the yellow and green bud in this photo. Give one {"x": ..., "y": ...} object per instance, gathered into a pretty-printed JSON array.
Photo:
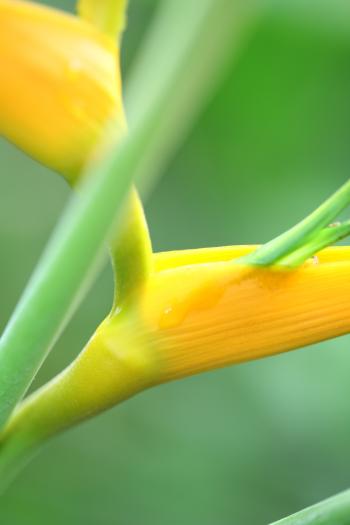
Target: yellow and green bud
[
  {"x": 175, "y": 314},
  {"x": 199, "y": 310}
]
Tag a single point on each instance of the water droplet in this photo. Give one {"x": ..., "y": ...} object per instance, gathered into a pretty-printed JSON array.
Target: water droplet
[{"x": 171, "y": 317}]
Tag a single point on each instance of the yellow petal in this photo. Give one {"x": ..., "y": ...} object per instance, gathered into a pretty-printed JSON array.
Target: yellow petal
[
  {"x": 212, "y": 314},
  {"x": 173, "y": 259},
  {"x": 60, "y": 84},
  {"x": 166, "y": 260},
  {"x": 201, "y": 314}
]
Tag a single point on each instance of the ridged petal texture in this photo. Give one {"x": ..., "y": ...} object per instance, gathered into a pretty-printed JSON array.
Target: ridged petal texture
[{"x": 209, "y": 312}]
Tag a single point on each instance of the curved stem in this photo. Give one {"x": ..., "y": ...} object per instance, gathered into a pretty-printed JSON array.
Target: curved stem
[
  {"x": 75, "y": 250},
  {"x": 131, "y": 254},
  {"x": 117, "y": 362}
]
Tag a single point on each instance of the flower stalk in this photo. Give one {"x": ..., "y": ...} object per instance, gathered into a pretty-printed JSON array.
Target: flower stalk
[
  {"x": 192, "y": 317},
  {"x": 174, "y": 314},
  {"x": 116, "y": 363},
  {"x": 73, "y": 254}
]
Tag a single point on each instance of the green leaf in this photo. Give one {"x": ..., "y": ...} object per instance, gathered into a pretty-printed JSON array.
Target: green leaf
[{"x": 331, "y": 511}]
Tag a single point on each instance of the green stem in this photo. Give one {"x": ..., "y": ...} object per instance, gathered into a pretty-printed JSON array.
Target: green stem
[
  {"x": 116, "y": 363},
  {"x": 331, "y": 511},
  {"x": 131, "y": 254},
  {"x": 304, "y": 233},
  {"x": 324, "y": 238},
  {"x": 68, "y": 263},
  {"x": 71, "y": 258}
]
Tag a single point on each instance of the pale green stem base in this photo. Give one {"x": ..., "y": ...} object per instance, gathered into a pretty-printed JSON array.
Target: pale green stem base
[{"x": 117, "y": 363}]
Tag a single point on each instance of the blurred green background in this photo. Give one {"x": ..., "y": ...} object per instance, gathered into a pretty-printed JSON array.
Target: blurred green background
[{"x": 247, "y": 444}]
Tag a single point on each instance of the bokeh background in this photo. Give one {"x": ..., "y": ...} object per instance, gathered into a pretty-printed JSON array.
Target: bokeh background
[{"x": 247, "y": 444}]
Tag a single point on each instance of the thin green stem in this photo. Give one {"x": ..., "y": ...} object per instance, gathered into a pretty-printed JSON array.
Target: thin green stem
[
  {"x": 72, "y": 256},
  {"x": 303, "y": 233},
  {"x": 324, "y": 238},
  {"x": 331, "y": 511}
]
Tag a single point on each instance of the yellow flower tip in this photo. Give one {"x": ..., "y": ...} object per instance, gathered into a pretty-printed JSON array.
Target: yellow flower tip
[
  {"x": 214, "y": 313},
  {"x": 60, "y": 84},
  {"x": 108, "y": 15}
]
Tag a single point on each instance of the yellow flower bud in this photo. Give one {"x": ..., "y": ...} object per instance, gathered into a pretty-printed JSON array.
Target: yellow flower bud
[
  {"x": 207, "y": 311},
  {"x": 199, "y": 310},
  {"x": 60, "y": 84}
]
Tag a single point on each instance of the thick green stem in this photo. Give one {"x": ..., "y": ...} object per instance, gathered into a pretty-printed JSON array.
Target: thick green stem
[{"x": 117, "y": 362}]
